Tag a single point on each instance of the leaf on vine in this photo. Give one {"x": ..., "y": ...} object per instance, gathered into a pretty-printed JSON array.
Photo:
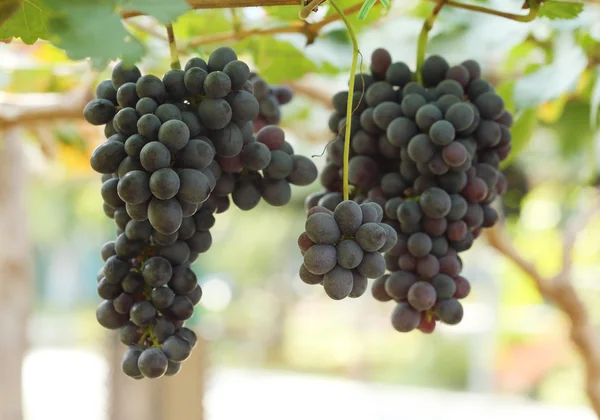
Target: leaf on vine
[
  {"x": 522, "y": 130},
  {"x": 163, "y": 11},
  {"x": 551, "y": 81},
  {"x": 29, "y": 22},
  {"x": 560, "y": 9},
  {"x": 368, "y": 5},
  {"x": 595, "y": 102},
  {"x": 573, "y": 129},
  {"x": 92, "y": 29}
]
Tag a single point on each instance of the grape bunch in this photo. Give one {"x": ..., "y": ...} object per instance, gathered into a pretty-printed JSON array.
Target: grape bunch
[
  {"x": 428, "y": 153},
  {"x": 270, "y": 99},
  {"x": 168, "y": 166},
  {"x": 342, "y": 248}
]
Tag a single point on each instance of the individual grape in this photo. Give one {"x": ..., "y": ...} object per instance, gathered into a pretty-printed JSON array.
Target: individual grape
[
  {"x": 238, "y": 73},
  {"x": 308, "y": 277},
  {"x": 194, "y": 79},
  {"x": 162, "y": 297},
  {"x": 372, "y": 212},
  {"x": 107, "y": 157},
  {"x": 473, "y": 68},
  {"x": 444, "y": 102},
  {"x": 181, "y": 309},
  {"x": 129, "y": 334},
  {"x": 138, "y": 230},
  {"x": 478, "y": 87},
  {"x": 280, "y": 166},
  {"x": 164, "y": 183},
  {"x": 150, "y": 86},
  {"x": 434, "y": 70},
  {"x": 175, "y": 85},
  {"x": 246, "y": 196},
  {"x": 188, "y": 335},
  {"x": 439, "y": 246},
  {"x": 155, "y": 156},
  {"x": 348, "y": 216},
  {"x": 108, "y": 317},
  {"x": 463, "y": 288},
  {"x": 320, "y": 259},
  {"x": 450, "y": 311},
  {"x": 304, "y": 242},
  {"x": 108, "y": 290},
  {"x": 106, "y": 90},
  {"x": 419, "y": 244},
  {"x": 138, "y": 211},
  {"x": 220, "y": 58},
  {"x": 391, "y": 237},
  {"x": 454, "y": 154},
  {"x": 168, "y": 112},
  {"x": 378, "y": 289},
  {"x": 164, "y": 239},
  {"x": 435, "y": 203},
  {"x": 146, "y": 106},
  {"x": 228, "y": 141},
  {"x": 127, "y": 165},
  {"x": 276, "y": 192},
  {"x": 385, "y": 112},
  {"x": 157, "y": 271},
  {"x": 488, "y": 134},
  {"x": 459, "y": 73},
  {"x": 123, "y": 303},
  {"x": 134, "y": 144},
  {"x": 444, "y": 286},
  {"x": 398, "y": 284},
  {"x": 322, "y": 228},
  {"x": 442, "y": 133},
  {"x": 450, "y": 265},
  {"x": 176, "y": 348},
  {"x": 165, "y": 215},
  {"x": 460, "y": 115},
  {"x": 490, "y": 105},
  {"x": 177, "y": 253},
  {"x": 427, "y": 115},
  {"x": 372, "y": 265},
  {"x": 123, "y": 73},
  {"x": 109, "y": 193},
  {"x": 99, "y": 111},
  {"x": 127, "y": 95},
  {"x": 304, "y": 171},
  {"x": 215, "y": 113},
  {"x": 217, "y": 84},
  {"x": 194, "y": 186},
  {"x": 376, "y": 94},
  {"x": 421, "y": 149},
  {"x": 428, "y": 266},
  {"x": 411, "y": 103},
  {"x": 153, "y": 363},
  {"x": 126, "y": 248},
  {"x": 338, "y": 283},
  {"x": 197, "y": 154},
  {"x": 107, "y": 250},
  {"x": 129, "y": 364},
  {"x": 421, "y": 296},
  {"x": 134, "y": 187},
  {"x": 450, "y": 87},
  {"x": 490, "y": 216},
  {"x": 244, "y": 106},
  {"x": 398, "y": 74},
  {"x": 405, "y": 318},
  {"x": 271, "y": 136},
  {"x": 196, "y": 62},
  {"x": 453, "y": 182},
  {"x": 200, "y": 242},
  {"x": 363, "y": 172},
  {"x": 371, "y": 237},
  {"x": 163, "y": 329},
  {"x": 380, "y": 62},
  {"x": 183, "y": 281},
  {"x": 359, "y": 285},
  {"x": 204, "y": 220},
  {"x": 349, "y": 254},
  {"x": 400, "y": 131}
]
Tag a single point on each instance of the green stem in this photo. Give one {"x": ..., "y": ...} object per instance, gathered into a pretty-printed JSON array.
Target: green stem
[
  {"x": 175, "y": 64},
  {"x": 533, "y": 11},
  {"x": 424, "y": 35},
  {"x": 349, "y": 110},
  {"x": 306, "y": 9}
]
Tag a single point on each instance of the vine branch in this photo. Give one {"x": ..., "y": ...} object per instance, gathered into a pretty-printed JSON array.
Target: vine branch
[
  {"x": 560, "y": 290},
  {"x": 533, "y": 11},
  {"x": 424, "y": 36},
  {"x": 221, "y": 4}
]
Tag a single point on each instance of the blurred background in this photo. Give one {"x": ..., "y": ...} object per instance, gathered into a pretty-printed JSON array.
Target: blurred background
[{"x": 271, "y": 346}]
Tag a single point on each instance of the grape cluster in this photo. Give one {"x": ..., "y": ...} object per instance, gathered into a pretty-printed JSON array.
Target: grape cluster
[
  {"x": 270, "y": 99},
  {"x": 428, "y": 153},
  {"x": 178, "y": 150},
  {"x": 342, "y": 248}
]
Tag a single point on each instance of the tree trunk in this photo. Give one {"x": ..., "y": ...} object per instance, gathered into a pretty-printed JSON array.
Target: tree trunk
[
  {"x": 16, "y": 287},
  {"x": 169, "y": 398}
]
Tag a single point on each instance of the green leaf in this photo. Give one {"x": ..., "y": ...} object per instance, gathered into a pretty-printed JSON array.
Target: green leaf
[
  {"x": 163, "y": 11},
  {"x": 368, "y": 5},
  {"x": 522, "y": 130},
  {"x": 29, "y": 23},
  {"x": 560, "y": 9},
  {"x": 573, "y": 128},
  {"x": 93, "y": 29},
  {"x": 595, "y": 102},
  {"x": 354, "y": 19},
  {"x": 549, "y": 82}
]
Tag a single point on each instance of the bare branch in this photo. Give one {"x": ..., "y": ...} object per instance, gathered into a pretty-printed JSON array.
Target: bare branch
[
  {"x": 560, "y": 291},
  {"x": 224, "y": 4}
]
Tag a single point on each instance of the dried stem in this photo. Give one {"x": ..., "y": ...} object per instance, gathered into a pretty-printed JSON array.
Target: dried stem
[{"x": 560, "y": 291}]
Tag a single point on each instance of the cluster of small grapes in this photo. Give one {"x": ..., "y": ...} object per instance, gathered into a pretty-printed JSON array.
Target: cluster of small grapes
[
  {"x": 342, "y": 248},
  {"x": 428, "y": 153},
  {"x": 270, "y": 99},
  {"x": 163, "y": 181}
]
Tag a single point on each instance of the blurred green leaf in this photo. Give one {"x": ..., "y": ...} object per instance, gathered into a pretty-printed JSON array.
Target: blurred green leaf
[
  {"x": 29, "y": 23},
  {"x": 573, "y": 129},
  {"x": 595, "y": 101},
  {"x": 283, "y": 12},
  {"x": 549, "y": 82},
  {"x": 8, "y": 8},
  {"x": 354, "y": 19},
  {"x": 199, "y": 22},
  {"x": 505, "y": 89},
  {"x": 522, "y": 130},
  {"x": 92, "y": 29},
  {"x": 560, "y": 9},
  {"x": 163, "y": 11}
]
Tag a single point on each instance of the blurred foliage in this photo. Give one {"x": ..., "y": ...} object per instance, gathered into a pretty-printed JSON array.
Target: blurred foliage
[{"x": 547, "y": 72}]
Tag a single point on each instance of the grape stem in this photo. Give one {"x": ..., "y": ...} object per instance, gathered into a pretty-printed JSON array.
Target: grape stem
[
  {"x": 533, "y": 11},
  {"x": 424, "y": 35},
  {"x": 349, "y": 110},
  {"x": 175, "y": 64}
]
